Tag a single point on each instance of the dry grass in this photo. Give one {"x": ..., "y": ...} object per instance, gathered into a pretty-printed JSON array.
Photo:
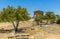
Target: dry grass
[{"x": 50, "y": 32}]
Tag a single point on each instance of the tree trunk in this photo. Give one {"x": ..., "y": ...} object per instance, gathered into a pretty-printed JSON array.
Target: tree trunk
[
  {"x": 15, "y": 26},
  {"x": 16, "y": 29},
  {"x": 47, "y": 21}
]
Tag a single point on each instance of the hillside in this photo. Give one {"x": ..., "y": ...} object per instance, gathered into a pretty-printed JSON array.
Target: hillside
[{"x": 51, "y": 31}]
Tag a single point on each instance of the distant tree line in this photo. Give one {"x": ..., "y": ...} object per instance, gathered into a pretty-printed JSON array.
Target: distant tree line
[{"x": 48, "y": 16}]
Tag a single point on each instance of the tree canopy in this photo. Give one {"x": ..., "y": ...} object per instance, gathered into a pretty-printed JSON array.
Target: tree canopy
[
  {"x": 49, "y": 15},
  {"x": 11, "y": 14}
]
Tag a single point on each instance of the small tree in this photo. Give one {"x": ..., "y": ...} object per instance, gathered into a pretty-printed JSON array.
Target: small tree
[
  {"x": 14, "y": 15},
  {"x": 38, "y": 19},
  {"x": 57, "y": 19},
  {"x": 49, "y": 16}
]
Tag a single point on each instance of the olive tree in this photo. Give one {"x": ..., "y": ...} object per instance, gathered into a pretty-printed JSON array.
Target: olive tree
[
  {"x": 14, "y": 15},
  {"x": 39, "y": 19},
  {"x": 50, "y": 16}
]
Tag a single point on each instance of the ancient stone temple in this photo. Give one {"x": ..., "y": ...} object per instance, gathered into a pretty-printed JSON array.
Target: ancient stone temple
[{"x": 38, "y": 12}]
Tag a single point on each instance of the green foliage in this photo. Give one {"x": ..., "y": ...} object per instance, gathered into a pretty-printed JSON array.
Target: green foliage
[
  {"x": 50, "y": 16},
  {"x": 12, "y": 14},
  {"x": 52, "y": 21},
  {"x": 38, "y": 19},
  {"x": 58, "y": 20},
  {"x": 57, "y": 17}
]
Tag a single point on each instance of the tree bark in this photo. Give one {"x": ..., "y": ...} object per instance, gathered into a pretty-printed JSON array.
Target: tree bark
[
  {"x": 15, "y": 26},
  {"x": 16, "y": 29}
]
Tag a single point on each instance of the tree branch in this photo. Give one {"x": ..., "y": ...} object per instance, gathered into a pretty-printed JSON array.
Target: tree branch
[{"x": 13, "y": 24}]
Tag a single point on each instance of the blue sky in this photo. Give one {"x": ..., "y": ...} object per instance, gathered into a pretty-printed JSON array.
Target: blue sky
[{"x": 32, "y": 5}]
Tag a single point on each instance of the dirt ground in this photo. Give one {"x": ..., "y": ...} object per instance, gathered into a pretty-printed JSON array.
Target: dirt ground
[{"x": 51, "y": 31}]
